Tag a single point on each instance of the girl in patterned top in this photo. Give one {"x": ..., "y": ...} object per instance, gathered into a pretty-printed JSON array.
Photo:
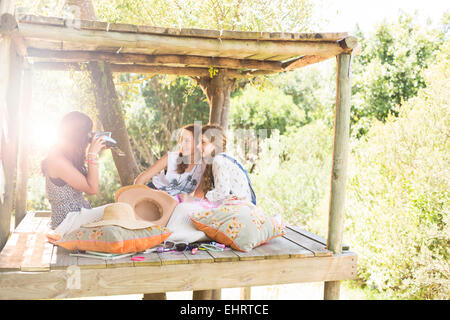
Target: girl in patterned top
[
  {"x": 222, "y": 177},
  {"x": 184, "y": 168},
  {"x": 64, "y": 168}
]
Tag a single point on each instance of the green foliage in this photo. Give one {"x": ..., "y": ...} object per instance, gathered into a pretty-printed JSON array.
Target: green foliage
[
  {"x": 292, "y": 173},
  {"x": 264, "y": 109},
  {"x": 238, "y": 15},
  {"x": 313, "y": 90},
  {"x": 398, "y": 195},
  {"x": 388, "y": 71}
]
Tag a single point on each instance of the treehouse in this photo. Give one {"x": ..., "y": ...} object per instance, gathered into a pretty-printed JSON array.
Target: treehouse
[{"x": 32, "y": 268}]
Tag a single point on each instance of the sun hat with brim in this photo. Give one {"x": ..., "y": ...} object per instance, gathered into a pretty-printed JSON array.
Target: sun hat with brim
[
  {"x": 148, "y": 204},
  {"x": 120, "y": 214}
]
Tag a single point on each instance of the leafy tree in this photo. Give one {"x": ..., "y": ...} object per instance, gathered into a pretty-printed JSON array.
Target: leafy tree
[
  {"x": 397, "y": 211},
  {"x": 236, "y": 15},
  {"x": 388, "y": 71},
  {"x": 266, "y": 108}
]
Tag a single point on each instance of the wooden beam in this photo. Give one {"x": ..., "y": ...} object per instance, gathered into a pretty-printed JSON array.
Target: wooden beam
[
  {"x": 302, "y": 62},
  {"x": 193, "y": 46},
  {"x": 339, "y": 164},
  {"x": 183, "y": 277},
  {"x": 145, "y": 59},
  {"x": 190, "y": 32},
  {"x": 146, "y": 69},
  {"x": 348, "y": 43}
]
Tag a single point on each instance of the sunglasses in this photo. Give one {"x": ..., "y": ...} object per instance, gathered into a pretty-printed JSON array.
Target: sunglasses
[{"x": 178, "y": 246}]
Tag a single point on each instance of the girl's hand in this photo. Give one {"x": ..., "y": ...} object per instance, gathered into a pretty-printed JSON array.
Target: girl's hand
[
  {"x": 97, "y": 145},
  {"x": 186, "y": 198}
]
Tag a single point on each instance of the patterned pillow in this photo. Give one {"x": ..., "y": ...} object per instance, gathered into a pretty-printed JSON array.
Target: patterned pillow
[
  {"x": 238, "y": 224},
  {"x": 114, "y": 239}
]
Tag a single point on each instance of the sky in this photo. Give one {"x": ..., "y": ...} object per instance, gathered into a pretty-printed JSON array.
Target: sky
[{"x": 343, "y": 15}]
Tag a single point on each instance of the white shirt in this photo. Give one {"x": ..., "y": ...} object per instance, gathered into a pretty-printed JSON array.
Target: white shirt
[{"x": 228, "y": 179}]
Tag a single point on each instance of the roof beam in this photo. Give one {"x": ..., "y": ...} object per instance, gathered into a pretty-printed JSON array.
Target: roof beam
[
  {"x": 177, "y": 45},
  {"x": 146, "y": 69},
  {"x": 144, "y": 59}
]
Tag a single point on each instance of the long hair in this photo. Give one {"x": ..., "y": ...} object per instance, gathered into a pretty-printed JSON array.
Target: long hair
[
  {"x": 74, "y": 129},
  {"x": 183, "y": 161},
  {"x": 214, "y": 134}
]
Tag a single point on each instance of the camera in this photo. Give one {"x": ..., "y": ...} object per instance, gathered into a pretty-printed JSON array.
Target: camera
[{"x": 109, "y": 142}]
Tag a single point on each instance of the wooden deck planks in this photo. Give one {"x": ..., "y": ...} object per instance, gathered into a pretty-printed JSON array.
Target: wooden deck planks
[
  {"x": 26, "y": 225},
  {"x": 318, "y": 249},
  {"x": 12, "y": 254},
  {"x": 224, "y": 256},
  {"x": 278, "y": 248},
  {"x": 38, "y": 255},
  {"x": 201, "y": 256},
  {"x": 315, "y": 237},
  {"x": 28, "y": 250},
  {"x": 61, "y": 259},
  {"x": 296, "y": 257},
  {"x": 151, "y": 259},
  {"x": 172, "y": 257}
]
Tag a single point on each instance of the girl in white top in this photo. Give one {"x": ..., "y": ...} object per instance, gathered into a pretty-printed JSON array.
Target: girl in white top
[
  {"x": 184, "y": 168},
  {"x": 222, "y": 177}
]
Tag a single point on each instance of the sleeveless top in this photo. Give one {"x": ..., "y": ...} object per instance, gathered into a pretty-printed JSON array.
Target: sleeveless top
[
  {"x": 63, "y": 199},
  {"x": 174, "y": 183}
]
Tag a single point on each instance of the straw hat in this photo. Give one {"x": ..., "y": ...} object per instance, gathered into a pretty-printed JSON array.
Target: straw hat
[
  {"x": 120, "y": 214},
  {"x": 150, "y": 205}
]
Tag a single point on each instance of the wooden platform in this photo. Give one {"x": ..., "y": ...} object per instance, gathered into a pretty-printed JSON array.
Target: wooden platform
[{"x": 32, "y": 268}]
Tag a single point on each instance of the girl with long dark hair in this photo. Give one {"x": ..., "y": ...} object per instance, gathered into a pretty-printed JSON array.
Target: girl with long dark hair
[
  {"x": 223, "y": 176},
  {"x": 66, "y": 174},
  {"x": 183, "y": 168}
]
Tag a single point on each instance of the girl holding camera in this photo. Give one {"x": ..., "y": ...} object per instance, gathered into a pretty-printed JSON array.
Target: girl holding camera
[{"x": 67, "y": 176}]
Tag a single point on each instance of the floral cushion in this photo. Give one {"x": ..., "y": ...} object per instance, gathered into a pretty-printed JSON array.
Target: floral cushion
[
  {"x": 114, "y": 239},
  {"x": 238, "y": 224}
]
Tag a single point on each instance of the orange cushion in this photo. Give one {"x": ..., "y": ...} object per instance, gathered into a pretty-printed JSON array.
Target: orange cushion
[
  {"x": 114, "y": 239},
  {"x": 237, "y": 224}
]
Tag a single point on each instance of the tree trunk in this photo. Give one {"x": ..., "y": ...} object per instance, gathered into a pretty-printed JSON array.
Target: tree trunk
[
  {"x": 110, "y": 114},
  {"x": 108, "y": 104},
  {"x": 218, "y": 89}
]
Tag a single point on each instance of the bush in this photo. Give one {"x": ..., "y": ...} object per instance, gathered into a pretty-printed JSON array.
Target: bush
[
  {"x": 292, "y": 174},
  {"x": 267, "y": 108},
  {"x": 398, "y": 196}
]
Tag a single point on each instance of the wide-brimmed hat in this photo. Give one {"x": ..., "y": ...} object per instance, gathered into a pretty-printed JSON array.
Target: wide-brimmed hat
[
  {"x": 120, "y": 214},
  {"x": 151, "y": 205}
]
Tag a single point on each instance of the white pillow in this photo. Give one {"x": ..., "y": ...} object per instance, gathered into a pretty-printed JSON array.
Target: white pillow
[{"x": 181, "y": 225}]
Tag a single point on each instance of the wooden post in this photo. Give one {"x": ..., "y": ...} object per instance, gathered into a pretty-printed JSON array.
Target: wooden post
[
  {"x": 154, "y": 296},
  {"x": 339, "y": 165},
  {"x": 246, "y": 293},
  {"x": 23, "y": 152},
  {"x": 10, "y": 76}
]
